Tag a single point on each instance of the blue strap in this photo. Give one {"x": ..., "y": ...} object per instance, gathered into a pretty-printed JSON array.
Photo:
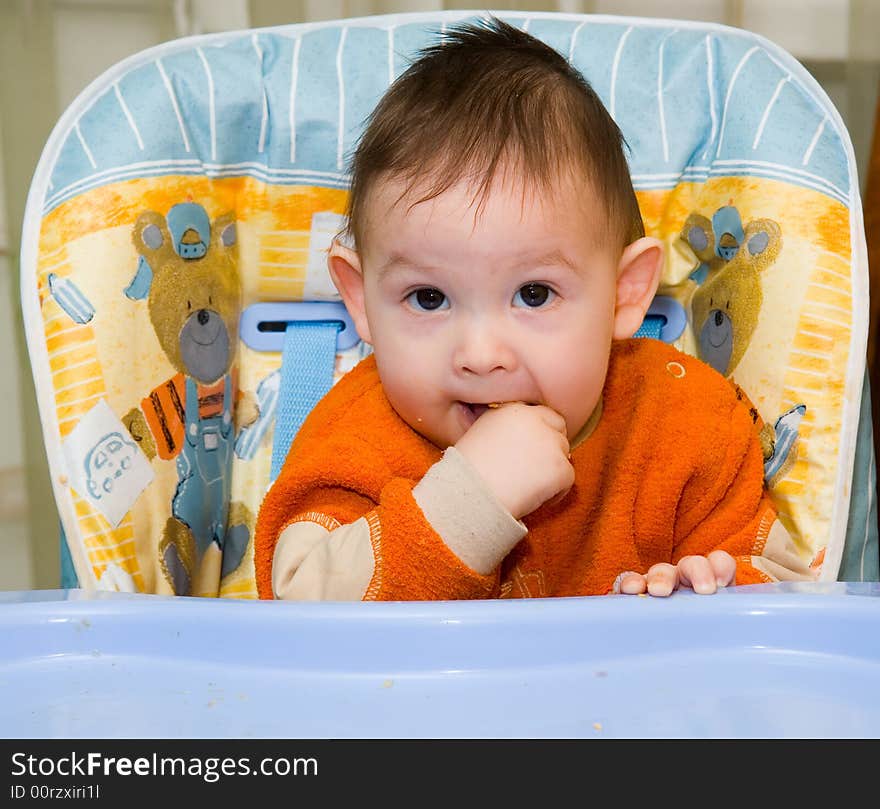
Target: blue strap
[
  {"x": 307, "y": 362},
  {"x": 651, "y": 327}
]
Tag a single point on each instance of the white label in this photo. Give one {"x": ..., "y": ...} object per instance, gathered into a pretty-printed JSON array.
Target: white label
[{"x": 105, "y": 465}]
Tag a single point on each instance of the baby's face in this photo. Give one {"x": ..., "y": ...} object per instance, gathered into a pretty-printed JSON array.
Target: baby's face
[{"x": 515, "y": 304}]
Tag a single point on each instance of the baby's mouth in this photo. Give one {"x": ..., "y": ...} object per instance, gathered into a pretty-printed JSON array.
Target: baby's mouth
[{"x": 477, "y": 408}]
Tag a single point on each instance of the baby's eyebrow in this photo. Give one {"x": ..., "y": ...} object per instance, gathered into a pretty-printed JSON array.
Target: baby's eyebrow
[
  {"x": 553, "y": 258},
  {"x": 399, "y": 261}
]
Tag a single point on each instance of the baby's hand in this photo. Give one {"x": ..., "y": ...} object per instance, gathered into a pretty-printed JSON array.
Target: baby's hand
[
  {"x": 703, "y": 574},
  {"x": 521, "y": 451}
]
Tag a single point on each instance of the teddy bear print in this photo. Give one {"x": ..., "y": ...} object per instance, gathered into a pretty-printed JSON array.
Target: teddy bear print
[
  {"x": 731, "y": 259},
  {"x": 728, "y": 298},
  {"x": 188, "y": 273}
]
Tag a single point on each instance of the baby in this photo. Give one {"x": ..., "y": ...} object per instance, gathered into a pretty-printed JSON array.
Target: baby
[{"x": 506, "y": 437}]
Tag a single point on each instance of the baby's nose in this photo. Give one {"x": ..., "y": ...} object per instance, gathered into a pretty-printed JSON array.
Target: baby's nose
[{"x": 483, "y": 349}]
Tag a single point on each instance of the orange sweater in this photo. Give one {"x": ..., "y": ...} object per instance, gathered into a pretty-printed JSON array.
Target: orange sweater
[{"x": 673, "y": 467}]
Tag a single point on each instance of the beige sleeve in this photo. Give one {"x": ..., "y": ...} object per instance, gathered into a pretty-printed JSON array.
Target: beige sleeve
[
  {"x": 318, "y": 559},
  {"x": 314, "y": 563},
  {"x": 473, "y": 523}
]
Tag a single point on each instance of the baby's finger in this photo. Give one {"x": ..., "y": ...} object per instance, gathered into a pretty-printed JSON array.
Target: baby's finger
[
  {"x": 662, "y": 579},
  {"x": 697, "y": 573},
  {"x": 724, "y": 567},
  {"x": 562, "y": 493},
  {"x": 633, "y": 584},
  {"x": 552, "y": 419}
]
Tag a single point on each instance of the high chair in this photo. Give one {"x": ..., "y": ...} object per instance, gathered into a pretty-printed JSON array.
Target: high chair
[
  {"x": 190, "y": 193},
  {"x": 181, "y": 323}
]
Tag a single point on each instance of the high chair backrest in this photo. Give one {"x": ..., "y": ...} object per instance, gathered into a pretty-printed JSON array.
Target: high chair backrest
[{"x": 196, "y": 186}]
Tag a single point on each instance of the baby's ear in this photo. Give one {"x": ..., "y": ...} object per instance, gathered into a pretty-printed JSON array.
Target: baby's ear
[
  {"x": 347, "y": 273},
  {"x": 638, "y": 276}
]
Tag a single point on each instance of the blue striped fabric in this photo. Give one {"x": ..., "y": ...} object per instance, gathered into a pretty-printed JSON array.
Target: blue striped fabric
[{"x": 287, "y": 104}]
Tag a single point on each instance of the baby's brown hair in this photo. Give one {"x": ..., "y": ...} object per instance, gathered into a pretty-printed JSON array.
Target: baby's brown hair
[{"x": 489, "y": 95}]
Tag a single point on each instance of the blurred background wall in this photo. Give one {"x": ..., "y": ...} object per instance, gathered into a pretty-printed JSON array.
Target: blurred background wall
[{"x": 51, "y": 49}]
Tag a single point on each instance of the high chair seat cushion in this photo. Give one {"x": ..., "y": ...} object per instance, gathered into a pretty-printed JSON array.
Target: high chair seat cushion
[{"x": 196, "y": 179}]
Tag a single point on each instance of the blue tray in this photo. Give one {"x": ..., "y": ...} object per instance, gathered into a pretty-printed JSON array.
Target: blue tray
[{"x": 763, "y": 661}]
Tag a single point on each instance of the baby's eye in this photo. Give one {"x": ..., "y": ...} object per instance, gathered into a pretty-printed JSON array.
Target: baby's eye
[
  {"x": 533, "y": 295},
  {"x": 428, "y": 299}
]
